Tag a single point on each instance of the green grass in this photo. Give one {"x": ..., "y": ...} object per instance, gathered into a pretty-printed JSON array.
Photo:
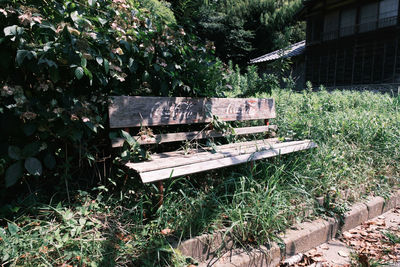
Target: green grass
[
  {"x": 358, "y": 134},
  {"x": 392, "y": 237}
]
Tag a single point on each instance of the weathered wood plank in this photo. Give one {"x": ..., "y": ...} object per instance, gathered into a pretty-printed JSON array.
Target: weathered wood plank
[
  {"x": 182, "y": 136},
  {"x": 163, "y": 174},
  {"x": 183, "y": 153},
  {"x": 135, "y": 111},
  {"x": 163, "y": 163}
]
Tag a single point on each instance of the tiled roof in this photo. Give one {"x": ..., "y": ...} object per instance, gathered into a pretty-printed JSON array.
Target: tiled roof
[{"x": 290, "y": 51}]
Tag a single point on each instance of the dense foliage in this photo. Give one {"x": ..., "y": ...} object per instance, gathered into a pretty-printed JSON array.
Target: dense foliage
[
  {"x": 242, "y": 29},
  {"x": 60, "y": 62}
]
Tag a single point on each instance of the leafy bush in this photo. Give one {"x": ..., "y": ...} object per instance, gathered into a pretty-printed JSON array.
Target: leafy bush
[
  {"x": 161, "y": 8},
  {"x": 60, "y": 62},
  {"x": 249, "y": 83}
]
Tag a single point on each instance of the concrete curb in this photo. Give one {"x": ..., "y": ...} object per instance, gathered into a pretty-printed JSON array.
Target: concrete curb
[
  {"x": 207, "y": 246},
  {"x": 355, "y": 216},
  {"x": 217, "y": 249},
  {"x": 309, "y": 235},
  {"x": 261, "y": 256}
]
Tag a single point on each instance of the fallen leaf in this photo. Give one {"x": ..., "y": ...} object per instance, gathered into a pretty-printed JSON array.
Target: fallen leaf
[
  {"x": 355, "y": 243},
  {"x": 343, "y": 253},
  {"x": 166, "y": 231},
  {"x": 294, "y": 259},
  {"x": 364, "y": 233},
  {"x": 318, "y": 259},
  {"x": 325, "y": 247},
  {"x": 347, "y": 235}
]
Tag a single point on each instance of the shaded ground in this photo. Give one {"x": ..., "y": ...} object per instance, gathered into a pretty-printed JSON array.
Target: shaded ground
[{"x": 374, "y": 243}]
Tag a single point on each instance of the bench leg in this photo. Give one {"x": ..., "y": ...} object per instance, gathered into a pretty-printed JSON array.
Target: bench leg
[{"x": 160, "y": 187}]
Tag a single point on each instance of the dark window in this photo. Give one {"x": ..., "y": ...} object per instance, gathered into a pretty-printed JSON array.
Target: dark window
[
  {"x": 317, "y": 29},
  {"x": 331, "y": 25},
  {"x": 388, "y": 10},
  {"x": 368, "y": 17},
  {"x": 348, "y": 22}
]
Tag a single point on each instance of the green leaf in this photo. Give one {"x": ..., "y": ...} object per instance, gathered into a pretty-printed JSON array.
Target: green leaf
[
  {"x": 79, "y": 73},
  {"x": 48, "y": 62},
  {"x": 68, "y": 215},
  {"x": 49, "y": 161},
  {"x": 128, "y": 138},
  {"x": 22, "y": 54},
  {"x": 146, "y": 76},
  {"x": 88, "y": 73},
  {"x": 13, "y": 30},
  {"x": 166, "y": 54},
  {"x": 12, "y": 228},
  {"x": 14, "y": 152},
  {"x": 75, "y": 16},
  {"x": 92, "y": 2},
  {"x": 176, "y": 82},
  {"x": 65, "y": 238},
  {"x": 82, "y": 221},
  {"x": 125, "y": 154},
  {"x": 133, "y": 66},
  {"x": 47, "y": 25},
  {"x": 148, "y": 23},
  {"x": 106, "y": 66},
  {"x": 13, "y": 174},
  {"x": 102, "y": 21},
  {"x": 3, "y": 233},
  {"x": 33, "y": 166},
  {"x": 6, "y": 256},
  {"x": 83, "y": 62},
  {"x": 99, "y": 60},
  {"x": 91, "y": 126}
]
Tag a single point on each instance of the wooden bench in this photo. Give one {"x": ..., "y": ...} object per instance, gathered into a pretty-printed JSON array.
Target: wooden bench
[{"x": 133, "y": 111}]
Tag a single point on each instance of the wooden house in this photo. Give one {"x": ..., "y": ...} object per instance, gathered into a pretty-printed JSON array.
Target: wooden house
[
  {"x": 350, "y": 43},
  {"x": 295, "y": 55}
]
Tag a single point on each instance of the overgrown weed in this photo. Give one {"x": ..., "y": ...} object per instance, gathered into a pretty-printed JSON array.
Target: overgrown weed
[{"x": 358, "y": 154}]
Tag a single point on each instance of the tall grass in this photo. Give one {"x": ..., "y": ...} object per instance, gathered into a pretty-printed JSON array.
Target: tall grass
[
  {"x": 358, "y": 134},
  {"x": 358, "y": 137}
]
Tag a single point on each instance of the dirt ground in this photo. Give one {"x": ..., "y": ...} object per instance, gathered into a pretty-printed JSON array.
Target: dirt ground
[{"x": 374, "y": 243}]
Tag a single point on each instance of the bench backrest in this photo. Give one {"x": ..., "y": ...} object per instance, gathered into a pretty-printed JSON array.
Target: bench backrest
[{"x": 136, "y": 111}]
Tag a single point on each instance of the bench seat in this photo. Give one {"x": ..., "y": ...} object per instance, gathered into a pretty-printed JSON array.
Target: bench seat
[{"x": 164, "y": 165}]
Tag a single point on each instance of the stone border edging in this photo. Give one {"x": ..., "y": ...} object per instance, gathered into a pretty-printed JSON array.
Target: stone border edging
[{"x": 209, "y": 247}]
